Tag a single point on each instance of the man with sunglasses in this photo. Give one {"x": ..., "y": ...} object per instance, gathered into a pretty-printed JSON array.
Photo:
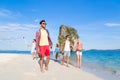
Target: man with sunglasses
[{"x": 43, "y": 44}]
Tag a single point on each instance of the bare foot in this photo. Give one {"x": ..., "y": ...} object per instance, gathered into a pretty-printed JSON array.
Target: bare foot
[
  {"x": 63, "y": 64},
  {"x": 67, "y": 66},
  {"x": 46, "y": 68},
  {"x": 42, "y": 71}
]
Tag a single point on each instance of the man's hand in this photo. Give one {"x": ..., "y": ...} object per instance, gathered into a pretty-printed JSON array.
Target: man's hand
[
  {"x": 37, "y": 51},
  {"x": 50, "y": 47}
]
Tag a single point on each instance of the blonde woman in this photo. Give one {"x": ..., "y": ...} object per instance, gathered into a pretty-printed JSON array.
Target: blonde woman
[{"x": 79, "y": 48}]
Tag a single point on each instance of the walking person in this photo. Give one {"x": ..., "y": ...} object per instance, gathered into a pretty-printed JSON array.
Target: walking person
[
  {"x": 43, "y": 44},
  {"x": 79, "y": 48},
  {"x": 33, "y": 49},
  {"x": 66, "y": 51},
  {"x": 56, "y": 51}
]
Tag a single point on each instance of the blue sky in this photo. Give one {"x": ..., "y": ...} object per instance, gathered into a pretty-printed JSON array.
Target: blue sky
[{"x": 97, "y": 21}]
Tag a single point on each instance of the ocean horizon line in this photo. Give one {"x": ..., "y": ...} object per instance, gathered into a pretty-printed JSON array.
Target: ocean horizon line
[
  {"x": 84, "y": 50},
  {"x": 29, "y": 52}
]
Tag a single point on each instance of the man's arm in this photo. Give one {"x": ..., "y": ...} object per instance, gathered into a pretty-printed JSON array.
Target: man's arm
[
  {"x": 50, "y": 42},
  {"x": 49, "y": 39}
]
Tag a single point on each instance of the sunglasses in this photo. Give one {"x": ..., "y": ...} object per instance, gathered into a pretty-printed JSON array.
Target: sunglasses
[{"x": 44, "y": 23}]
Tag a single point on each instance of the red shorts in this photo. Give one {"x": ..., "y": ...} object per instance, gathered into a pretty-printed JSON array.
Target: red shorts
[{"x": 44, "y": 51}]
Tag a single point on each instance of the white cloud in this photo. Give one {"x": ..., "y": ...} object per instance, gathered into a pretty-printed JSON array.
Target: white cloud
[
  {"x": 30, "y": 25},
  {"x": 36, "y": 20},
  {"x": 8, "y": 13},
  {"x": 5, "y": 12},
  {"x": 8, "y": 38},
  {"x": 13, "y": 24},
  {"x": 17, "y": 27},
  {"x": 4, "y": 28},
  {"x": 112, "y": 24}
]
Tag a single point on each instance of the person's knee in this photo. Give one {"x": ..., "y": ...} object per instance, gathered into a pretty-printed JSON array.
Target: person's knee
[
  {"x": 41, "y": 58},
  {"x": 48, "y": 57}
]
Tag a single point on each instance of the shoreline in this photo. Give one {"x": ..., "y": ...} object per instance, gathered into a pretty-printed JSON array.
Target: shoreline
[
  {"x": 99, "y": 71},
  {"x": 84, "y": 71},
  {"x": 103, "y": 73}
]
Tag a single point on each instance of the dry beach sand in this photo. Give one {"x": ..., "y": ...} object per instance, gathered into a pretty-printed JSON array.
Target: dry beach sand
[{"x": 22, "y": 67}]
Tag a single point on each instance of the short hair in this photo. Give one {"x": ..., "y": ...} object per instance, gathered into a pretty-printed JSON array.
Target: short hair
[
  {"x": 42, "y": 21},
  {"x": 67, "y": 36}
]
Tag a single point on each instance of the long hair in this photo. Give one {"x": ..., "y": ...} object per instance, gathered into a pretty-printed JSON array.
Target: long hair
[{"x": 57, "y": 45}]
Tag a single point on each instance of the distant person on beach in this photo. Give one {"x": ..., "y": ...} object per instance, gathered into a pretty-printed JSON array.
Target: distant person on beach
[
  {"x": 79, "y": 49},
  {"x": 56, "y": 51},
  {"x": 43, "y": 44},
  {"x": 66, "y": 50},
  {"x": 33, "y": 49}
]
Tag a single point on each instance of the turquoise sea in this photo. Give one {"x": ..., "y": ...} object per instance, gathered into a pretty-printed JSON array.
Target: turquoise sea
[{"x": 105, "y": 62}]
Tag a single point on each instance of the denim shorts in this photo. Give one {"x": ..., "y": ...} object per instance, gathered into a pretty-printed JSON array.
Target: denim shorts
[
  {"x": 67, "y": 53},
  {"x": 79, "y": 53}
]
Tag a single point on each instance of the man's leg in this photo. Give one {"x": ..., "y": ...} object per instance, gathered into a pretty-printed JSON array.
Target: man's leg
[
  {"x": 41, "y": 64},
  {"x": 63, "y": 60},
  {"x": 47, "y": 53},
  {"x": 68, "y": 58},
  {"x": 42, "y": 52},
  {"x": 47, "y": 62}
]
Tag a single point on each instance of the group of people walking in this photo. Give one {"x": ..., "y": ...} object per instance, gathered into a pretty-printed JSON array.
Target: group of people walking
[
  {"x": 43, "y": 43},
  {"x": 66, "y": 51}
]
